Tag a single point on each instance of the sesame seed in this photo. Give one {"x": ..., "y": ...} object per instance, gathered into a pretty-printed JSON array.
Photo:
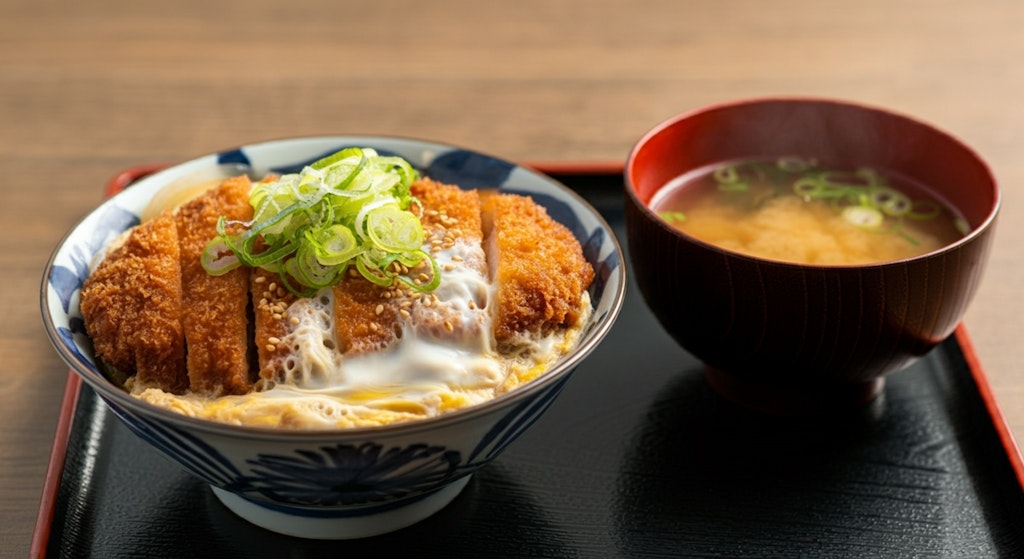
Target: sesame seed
[
  {"x": 272, "y": 286},
  {"x": 448, "y": 326},
  {"x": 271, "y": 347},
  {"x": 274, "y": 340},
  {"x": 294, "y": 320},
  {"x": 456, "y": 258},
  {"x": 260, "y": 279},
  {"x": 379, "y": 309},
  {"x": 404, "y": 313},
  {"x": 278, "y": 316}
]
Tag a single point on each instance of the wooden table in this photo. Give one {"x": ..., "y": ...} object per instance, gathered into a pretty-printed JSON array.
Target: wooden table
[{"x": 88, "y": 88}]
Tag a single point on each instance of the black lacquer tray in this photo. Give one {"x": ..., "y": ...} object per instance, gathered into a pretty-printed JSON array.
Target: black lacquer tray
[{"x": 636, "y": 458}]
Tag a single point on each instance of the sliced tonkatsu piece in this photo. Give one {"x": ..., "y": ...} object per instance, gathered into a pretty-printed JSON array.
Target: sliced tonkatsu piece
[
  {"x": 456, "y": 310},
  {"x": 451, "y": 214},
  {"x": 537, "y": 267},
  {"x": 132, "y": 306},
  {"x": 365, "y": 317},
  {"x": 369, "y": 317},
  {"x": 272, "y": 324},
  {"x": 215, "y": 307}
]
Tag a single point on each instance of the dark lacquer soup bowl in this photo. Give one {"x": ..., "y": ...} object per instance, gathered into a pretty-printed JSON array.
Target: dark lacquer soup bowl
[
  {"x": 793, "y": 337},
  {"x": 339, "y": 482}
]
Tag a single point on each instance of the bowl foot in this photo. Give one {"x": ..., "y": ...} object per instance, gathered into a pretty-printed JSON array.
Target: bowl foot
[
  {"x": 339, "y": 523},
  {"x": 793, "y": 400}
]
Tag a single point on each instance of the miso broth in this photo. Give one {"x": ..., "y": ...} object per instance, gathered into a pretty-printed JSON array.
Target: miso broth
[{"x": 797, "y": 210}]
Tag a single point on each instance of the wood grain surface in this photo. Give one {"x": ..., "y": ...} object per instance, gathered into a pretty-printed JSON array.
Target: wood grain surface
[{"x": 88, "y": 88}]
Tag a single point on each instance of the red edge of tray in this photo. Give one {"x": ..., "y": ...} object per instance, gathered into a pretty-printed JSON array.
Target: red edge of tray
[
  {"x": 55, "y": 469},
  {"x": 73, "y": 386},
  {"x": 994, "y": 412}
]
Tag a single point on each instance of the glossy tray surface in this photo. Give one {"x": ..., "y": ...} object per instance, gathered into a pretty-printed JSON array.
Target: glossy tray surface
[{"x": 636, "y": 458}]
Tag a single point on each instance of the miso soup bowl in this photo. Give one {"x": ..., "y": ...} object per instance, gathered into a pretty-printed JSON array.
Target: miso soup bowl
[
  {"x": 794, "y": 338},
  {"x": 346, "y": 483}
]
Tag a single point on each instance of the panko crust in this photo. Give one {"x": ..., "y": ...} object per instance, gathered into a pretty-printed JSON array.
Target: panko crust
[
  {"x": 540, "y": 273},
  {"x": 153, "y": 310},
  {"x": 270, "y": 304},
  {"x": 368, "y": 317},
  {"x": 132, "y": 305},
  {"x": 215, "y": 318},
  {"x": 365, "y": 319},
  {"x": 449, "y": 214}
]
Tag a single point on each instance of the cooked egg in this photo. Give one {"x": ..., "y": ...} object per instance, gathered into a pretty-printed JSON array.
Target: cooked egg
[{"x": 422, "y": 374}]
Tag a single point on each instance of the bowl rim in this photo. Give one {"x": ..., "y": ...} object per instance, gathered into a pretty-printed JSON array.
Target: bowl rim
[
  {"x": 982, "y": 228},
  {"x": 561, "y": 368}
]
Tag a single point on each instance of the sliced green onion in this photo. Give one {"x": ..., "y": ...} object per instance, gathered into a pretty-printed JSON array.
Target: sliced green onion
[
  {"x": 672, "y": 216},
  {"x": 371, "y": 272},
  {"x": 863, "y": 216},
  {"x": 808, "y": 188},
  {"x": 889, "y": 200},
  {"x": 338, "y": 157},
  {"x": 726, "y": 175},
  {"x": 352, "y": 206},
  {"x": 334, "y": 245},
  {"x": 218, "y": 259},
  {"x": 435, "y": 278},
  {"x": 873, "y": 177},
  {"x": 734, "y": 187},
  {"x": 393, "y": 229},
  {"x": 729, "y": 179}
]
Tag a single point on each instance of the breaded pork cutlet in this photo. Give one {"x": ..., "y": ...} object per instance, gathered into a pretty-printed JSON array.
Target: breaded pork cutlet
[
  {"x": 215, "y": 307},
  {"x": 131, "y": 305},
  {"x": 454, "y": 235},
  {"x": 270, "y": 304},
  {"x": 451, "y": 214},
  {"x": 368, "y": 317},
  {"x": 537, "y": 266}
]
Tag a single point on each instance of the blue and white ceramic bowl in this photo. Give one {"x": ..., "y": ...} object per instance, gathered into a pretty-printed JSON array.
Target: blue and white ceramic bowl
[{"x": 340, "y": 483}]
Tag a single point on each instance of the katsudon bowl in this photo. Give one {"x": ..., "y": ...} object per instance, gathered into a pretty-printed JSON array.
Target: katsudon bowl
[{"x": 334, "y": 483}]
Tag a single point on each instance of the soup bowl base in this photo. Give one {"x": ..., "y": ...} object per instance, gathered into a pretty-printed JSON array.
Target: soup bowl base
[
  {"x": 339, "y": 523},
  {"x": 808, "y": 399}
]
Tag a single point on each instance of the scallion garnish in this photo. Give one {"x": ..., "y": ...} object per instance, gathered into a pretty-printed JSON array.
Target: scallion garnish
[{"x": 353, "y": 207}]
